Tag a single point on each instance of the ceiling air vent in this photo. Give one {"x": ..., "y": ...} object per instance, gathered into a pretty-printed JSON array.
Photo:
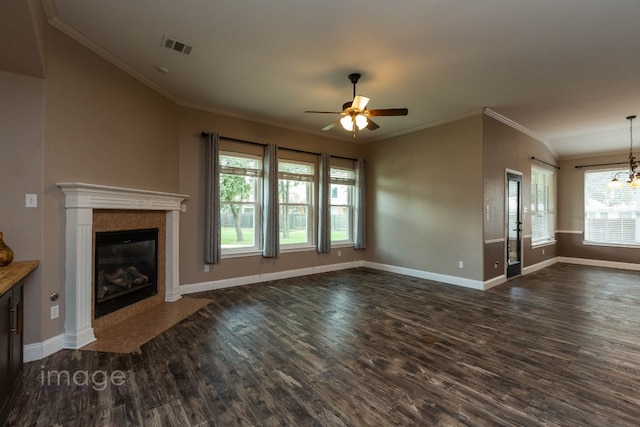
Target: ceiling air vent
[{"x": 177, "y": 45}]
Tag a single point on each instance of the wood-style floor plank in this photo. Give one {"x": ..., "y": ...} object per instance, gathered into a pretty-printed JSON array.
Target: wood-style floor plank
[{"x": 361, "y": 347}]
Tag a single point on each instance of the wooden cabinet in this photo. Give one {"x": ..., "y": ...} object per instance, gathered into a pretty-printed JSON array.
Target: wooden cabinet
[
  {"x": 11, "y": 306},
  {"x": 11, "y": 329}
]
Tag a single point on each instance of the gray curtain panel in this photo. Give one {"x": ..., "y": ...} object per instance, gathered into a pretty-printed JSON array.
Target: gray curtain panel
[
  {"x": 270, "y": 216},
  {"x": 212, "y": 244},
  {"x": 324, "y": 204},
  {"x": 360, "y": 241}
]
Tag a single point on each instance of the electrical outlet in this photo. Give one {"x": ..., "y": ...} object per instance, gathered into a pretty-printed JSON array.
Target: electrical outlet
[
  {"x": 206, "y": 268},
  {"x": 31, "y": 200},
  {"x": 460, "y": 264},
  {"x": 55, "y": 312},
  {"x": 183, "y": 207},
  {"x": 339, "y": 253}
]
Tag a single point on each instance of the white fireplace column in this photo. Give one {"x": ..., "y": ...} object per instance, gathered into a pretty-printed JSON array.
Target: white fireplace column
[{"x": 80, "y": 201}]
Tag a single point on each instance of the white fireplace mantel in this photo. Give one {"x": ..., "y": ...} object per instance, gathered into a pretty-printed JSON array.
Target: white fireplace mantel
[{"x": 80, "y": 201}]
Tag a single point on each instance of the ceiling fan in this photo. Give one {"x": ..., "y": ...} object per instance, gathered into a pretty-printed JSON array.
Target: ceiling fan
[{"x": 355, "y": 115}]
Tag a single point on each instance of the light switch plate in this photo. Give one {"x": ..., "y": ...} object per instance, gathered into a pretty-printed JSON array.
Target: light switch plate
[{"x": 31, "y": 200}]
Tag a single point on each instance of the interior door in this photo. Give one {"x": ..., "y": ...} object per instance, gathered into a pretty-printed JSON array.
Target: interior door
[{"x": 514, "y": 225}]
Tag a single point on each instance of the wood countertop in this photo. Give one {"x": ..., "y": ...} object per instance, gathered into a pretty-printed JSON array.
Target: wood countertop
[{"x": 14, "y": 272}]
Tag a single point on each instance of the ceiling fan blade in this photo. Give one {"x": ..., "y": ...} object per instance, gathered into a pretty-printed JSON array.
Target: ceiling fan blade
[
  {"x": 331, "y": 125},
  {"x": 388, "y": 112},
  {"x": 325, "y": 112},
  {"x": 360, "y": 102},
  {"x": 372, "y": 125}
]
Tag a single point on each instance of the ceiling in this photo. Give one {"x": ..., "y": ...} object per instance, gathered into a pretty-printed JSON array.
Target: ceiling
[{"x": 567, "y": 71}]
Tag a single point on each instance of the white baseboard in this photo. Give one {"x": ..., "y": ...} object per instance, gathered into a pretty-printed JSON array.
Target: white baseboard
[
  {"x": 488, "y": 284},
  {"x": 259, "y": 278},
  {"x": 539, "y": 266},
  {"x": 172, "y": 296},
  {"x": 601, "y": 263},
  {"x": 451, "y": 280},
  {"x": 40, "y": 350}
]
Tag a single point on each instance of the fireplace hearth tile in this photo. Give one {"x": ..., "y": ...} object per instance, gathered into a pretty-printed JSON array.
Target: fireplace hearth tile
[{"x": 127, "y": 336}]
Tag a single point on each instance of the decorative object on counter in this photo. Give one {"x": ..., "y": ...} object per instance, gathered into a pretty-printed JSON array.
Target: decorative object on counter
[{"x": 6, "y": 254}]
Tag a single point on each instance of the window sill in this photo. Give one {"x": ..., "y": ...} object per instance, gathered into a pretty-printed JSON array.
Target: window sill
[
  {"x": 342, "y": 245},
  {"x": 543, "y": 243},
  {"x": 287, "y": 249},
  {"x": 611, "y": 245},
  {"x": 241, "y": 254}
]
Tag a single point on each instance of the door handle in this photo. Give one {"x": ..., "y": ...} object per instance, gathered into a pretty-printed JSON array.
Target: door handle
[{"x": 16, "y": 327}]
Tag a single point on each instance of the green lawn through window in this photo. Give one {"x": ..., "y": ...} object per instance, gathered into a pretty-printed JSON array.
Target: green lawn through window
[{"x": 229, "y": 237}]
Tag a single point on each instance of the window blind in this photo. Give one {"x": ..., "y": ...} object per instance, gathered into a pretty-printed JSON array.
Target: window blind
[
  {"x": 610, "y": 213},
  {"x": 542, "y": 205}
]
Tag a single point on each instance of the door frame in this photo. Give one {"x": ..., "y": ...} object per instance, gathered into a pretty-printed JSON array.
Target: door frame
[{"x": 516, "y": 269}]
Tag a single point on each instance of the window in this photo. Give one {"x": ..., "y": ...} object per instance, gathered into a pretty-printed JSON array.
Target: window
[
  {"x": 610, "y": 213},
  {"x": 542, "y": 206},
  {"x": 240, "y": 196},
  {"x": 295, "y": 196},
  {"x": 342, "y": 189}
]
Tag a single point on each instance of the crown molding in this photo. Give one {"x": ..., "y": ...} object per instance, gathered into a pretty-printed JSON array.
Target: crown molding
[
  {"x": 253, "y": 119},
  {"x": 489, "y": 112},
  {"x": 428, "y": 125}
]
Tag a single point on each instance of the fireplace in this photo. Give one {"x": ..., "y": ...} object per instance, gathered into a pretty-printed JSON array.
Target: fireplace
[
  {"x": 81, "y": 202},
  {"x": 126, "y": 268}
]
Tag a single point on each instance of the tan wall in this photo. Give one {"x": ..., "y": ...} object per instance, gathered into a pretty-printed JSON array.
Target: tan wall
[
  {"x": 425, "y": 199},
  {"x": 507, "y": 148},
  {"x": 104, "y": 127},
  {"x": 21, "y": 171},
  {"x": 23, "y": 28},
  {"x": 192, "y": 178},
  {"x": 571, "y": 213}
]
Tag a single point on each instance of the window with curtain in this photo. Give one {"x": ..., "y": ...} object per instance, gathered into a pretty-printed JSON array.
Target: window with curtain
[
  {"x": 240, "y": 202},
  {"x": 542, "y": 206},
  {"x": 295, "y": 197},
  {"x": 610, "y": 214},
  {"x": 342, "y": 189}
]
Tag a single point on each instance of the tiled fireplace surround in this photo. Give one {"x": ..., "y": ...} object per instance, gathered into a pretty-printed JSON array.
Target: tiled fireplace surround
[{"x": 91, "y": 208}]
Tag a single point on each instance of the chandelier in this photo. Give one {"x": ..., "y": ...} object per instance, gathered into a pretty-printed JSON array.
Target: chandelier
[{"x": 633, "y": 172}]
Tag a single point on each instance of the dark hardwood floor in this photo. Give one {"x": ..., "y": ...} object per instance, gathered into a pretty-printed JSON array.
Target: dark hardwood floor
[{"x": 559, "y": 347}]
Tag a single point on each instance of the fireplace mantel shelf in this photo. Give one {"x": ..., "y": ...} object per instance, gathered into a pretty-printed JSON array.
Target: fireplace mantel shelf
[
  {"x": 81, "y": 200},
  {"x": 82, "y": 195}
]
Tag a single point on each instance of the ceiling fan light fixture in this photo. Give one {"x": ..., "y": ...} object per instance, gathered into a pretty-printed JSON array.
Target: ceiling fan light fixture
[
  {"x": 347, "y": 123},
  {"x": 361, "y": 121},
  {"x": 355, "y": 115}
]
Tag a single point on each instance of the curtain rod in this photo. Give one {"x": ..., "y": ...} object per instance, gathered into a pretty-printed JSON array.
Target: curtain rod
[
  {"x": 542, "y": 161},
  {"x": 601, "y": 164},
  {"x": 206, "y": 135}
]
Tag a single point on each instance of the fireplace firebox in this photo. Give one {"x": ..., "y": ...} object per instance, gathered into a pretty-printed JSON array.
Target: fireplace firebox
[{"x": 126, "y": 268}]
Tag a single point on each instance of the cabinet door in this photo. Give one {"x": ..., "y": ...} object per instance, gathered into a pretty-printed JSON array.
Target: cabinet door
[
  {"x": 5, "y": 337},
  {"x": 15, "y": 358}
]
